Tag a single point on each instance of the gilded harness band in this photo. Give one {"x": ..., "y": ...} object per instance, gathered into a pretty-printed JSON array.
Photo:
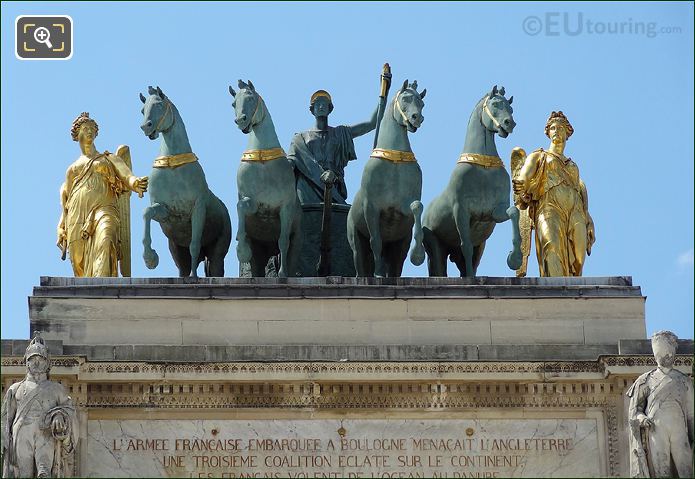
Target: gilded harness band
[{"x": 395, "y": 156}]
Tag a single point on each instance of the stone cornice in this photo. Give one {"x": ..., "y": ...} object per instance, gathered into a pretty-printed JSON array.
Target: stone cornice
[
  {"x": 336, "y": 287},
  {"x": 99, "y": 371}
]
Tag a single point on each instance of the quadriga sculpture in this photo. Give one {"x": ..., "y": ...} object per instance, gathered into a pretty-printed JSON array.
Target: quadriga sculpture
[
  {"x": 195, "y": 221},
  {"x": 387, "y": 205},
  {"x": 459, "y": 221},
  {"x": 268, "y": 208}
]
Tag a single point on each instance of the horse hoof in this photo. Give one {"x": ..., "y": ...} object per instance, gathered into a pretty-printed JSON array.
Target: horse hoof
[
  {"x": 151, "y": 259},
  {"x": 417, "y": 256},
  {"x": 514, "y": 260}
]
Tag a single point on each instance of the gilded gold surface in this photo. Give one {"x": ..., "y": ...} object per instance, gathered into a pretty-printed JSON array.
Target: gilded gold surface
[
  {"x": 174, "y": 161},
  {"x": 549, "y": 186},
  {"x": 123, "y": 205},
  {"x": 263, "y": 155},
  {"x": 90, "y": 227},
  {"x": 395, "y": 156},
  {"x": 319, "y": 93},
  {"x": 525, "y": 223},
  {"x": 485, "y": 161}
]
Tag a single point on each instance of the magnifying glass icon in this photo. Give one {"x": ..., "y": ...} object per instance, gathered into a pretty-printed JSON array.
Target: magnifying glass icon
[{"x": 42, "y": 35}]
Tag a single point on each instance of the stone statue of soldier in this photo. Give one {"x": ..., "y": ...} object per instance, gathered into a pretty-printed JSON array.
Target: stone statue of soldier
[
  {"x": 39, "y": 422},
  {"x": 660, "y": 416},
  {"x": 321, "y": 154}
]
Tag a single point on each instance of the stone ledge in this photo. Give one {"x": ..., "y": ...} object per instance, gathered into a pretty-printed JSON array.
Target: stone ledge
[
  {"x": 334, "y": 371},
  {"x": 627, "y": 351},
  {"x": 337, "y": 287},
  {"x": 314, "y": 352},
  {"x": 644, "y": 346},
  {"x": 17, "y": 347}
]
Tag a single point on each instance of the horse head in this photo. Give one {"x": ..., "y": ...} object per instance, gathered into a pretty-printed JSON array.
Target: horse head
[
  {"x": 157, "y": 113},
  {"x": 407, "y": 106},
  {"x": 496, "y": 112},
  {"x": 248, "y": 106}
]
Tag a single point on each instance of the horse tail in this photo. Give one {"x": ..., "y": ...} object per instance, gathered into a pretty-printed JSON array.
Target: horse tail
[{"x": 417, "y": 254}]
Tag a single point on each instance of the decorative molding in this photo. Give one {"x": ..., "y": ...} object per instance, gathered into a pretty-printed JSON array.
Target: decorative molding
[
  {"x": 216, "y": 395},
  {"x": 364, "y": 367},
  {"x": 56, "y": 361},
  {"x": 360, "y": 368},
  {"x": 611, "y": 416},
  {"x": 644, "y": 360}
]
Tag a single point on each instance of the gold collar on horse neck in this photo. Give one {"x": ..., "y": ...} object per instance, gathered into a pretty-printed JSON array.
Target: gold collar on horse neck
[
  {"x": 174, "y": 161},
  {"x": 486, "y": 161},
  {"x": 395, "y": 156},
  {"x": 269, "y": 154}
]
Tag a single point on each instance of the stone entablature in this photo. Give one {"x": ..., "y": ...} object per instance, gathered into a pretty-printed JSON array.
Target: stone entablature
[{"x": 165, "y": 391}]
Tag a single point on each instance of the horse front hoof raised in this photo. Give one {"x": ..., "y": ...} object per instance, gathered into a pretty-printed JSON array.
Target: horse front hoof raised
[
  {"x": 151, "y": 258},
  {"x": 417, "y": 255},
  {"x": 514, "y": 260}
]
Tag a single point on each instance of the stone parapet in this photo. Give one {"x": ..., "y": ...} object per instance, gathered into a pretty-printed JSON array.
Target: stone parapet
[{"x": 493, "y": 314}]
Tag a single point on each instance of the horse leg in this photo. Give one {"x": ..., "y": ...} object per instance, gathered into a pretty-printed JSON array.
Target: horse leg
[
  {"x": 244, "y": 207},
  {"x": 457, "y": 259},
  {"x": 216, "y": 254},
  {"x": 182, "y": 258},
  {"x": 462, "y": 218},
  {"x": 477, "y": 256},
  {"x": 356, "y": 244},
  {"x": 157, "y": 212},
  {"x": 397, "y": 253},
  {"x": 286, "y": 223},
  {"x": 295, "y": 248},
  {"x": 259, "y": 259},
  {"x": 198, "y": 216},
  {"x": 371, "y": 217},
  {"x": 361, "y": 254},
  {"x": 502, "y": 213},
  {"x": 436, "y": 254},
  {"x": 417, "y": 255},
  {"x": 367, "y": 261}
]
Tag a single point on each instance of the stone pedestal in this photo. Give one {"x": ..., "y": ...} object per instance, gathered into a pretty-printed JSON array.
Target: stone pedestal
[
  {"x": 346, "y": 377},
  {"x": 341, "y": 261}
]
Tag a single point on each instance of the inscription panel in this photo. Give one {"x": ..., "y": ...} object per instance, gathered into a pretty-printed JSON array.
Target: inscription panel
[{"x": 331, "y": 448}]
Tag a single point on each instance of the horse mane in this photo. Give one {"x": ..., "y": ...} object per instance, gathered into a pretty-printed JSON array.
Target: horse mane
[{"x": 478, "y": 109}]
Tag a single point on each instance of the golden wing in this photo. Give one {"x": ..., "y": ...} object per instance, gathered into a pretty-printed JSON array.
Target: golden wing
[
  {"x": 123, "y": 204},
  {"x": 525, "y": 223}
]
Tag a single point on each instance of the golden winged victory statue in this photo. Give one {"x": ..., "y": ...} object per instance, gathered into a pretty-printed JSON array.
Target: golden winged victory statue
[
  {"x": 94, "y": 226},
  {"x": 554, "y": 202}
]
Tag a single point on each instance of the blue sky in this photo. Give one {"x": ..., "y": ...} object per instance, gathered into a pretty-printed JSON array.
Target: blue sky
[{"x": 624, "y": 79}]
